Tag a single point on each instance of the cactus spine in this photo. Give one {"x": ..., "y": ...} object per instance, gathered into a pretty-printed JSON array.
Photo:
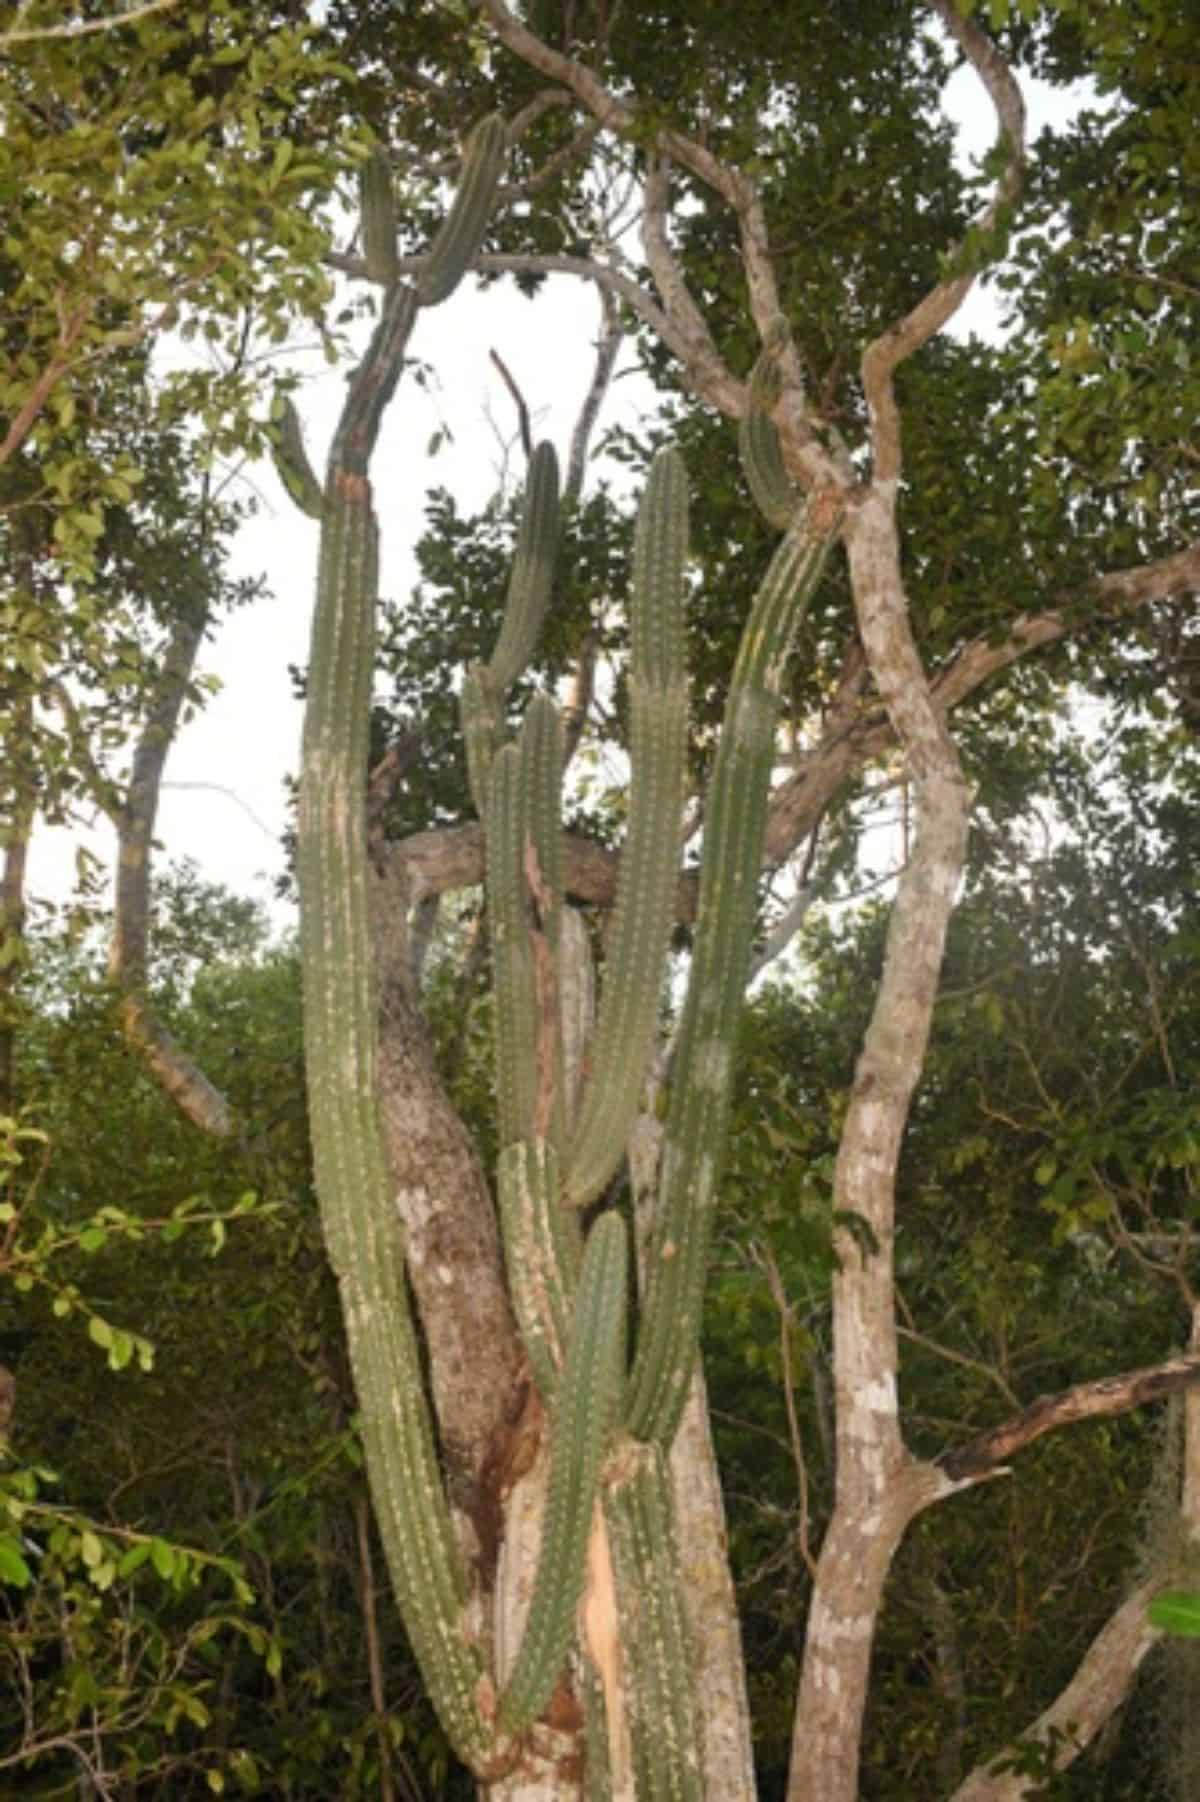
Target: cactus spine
[
  {"x": 457, "y": 242},
  {"x": 698, "y": 1108},
  {"x": 649, "y": 864},
  {"x": 585, "y": 1413}
]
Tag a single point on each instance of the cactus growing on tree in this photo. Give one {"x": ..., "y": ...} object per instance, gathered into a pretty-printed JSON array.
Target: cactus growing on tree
[{"x": 607, "y": 1518}]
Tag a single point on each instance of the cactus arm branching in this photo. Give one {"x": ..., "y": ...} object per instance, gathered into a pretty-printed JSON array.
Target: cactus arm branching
[
  {"x": 375, "y": 382},
  {"x": 584, "y": 1414},
  {"x": 646, "y": 890},
  {"x": 658, "y": 1659},
  {"x": 461, "y": 233},
  {"x": 291, "y": 459},
  {"x": 698, "y": 1108},
  {"x": 377, "y": 209}
]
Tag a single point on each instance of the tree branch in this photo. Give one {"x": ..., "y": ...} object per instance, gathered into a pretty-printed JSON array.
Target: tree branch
[
  {"x": 1098, "y": 1400},
  {"x": 1099, "y": 1686},
  {"x": 182, "y": 1079},
  {"x": 881, "y": 358}
]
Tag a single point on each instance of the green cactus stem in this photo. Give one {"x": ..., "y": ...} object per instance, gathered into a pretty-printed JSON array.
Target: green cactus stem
[
  {"x": 532, "y": 577},
  {"x": 655, "y": 1647},
  {"x": 625, "y": 1031},
  {"x": 513, "y": 975},
  {"x": 291, "y": 458},
  {"x": 351, "y": 1178},
  {"x": 357, "y": 1212},
  {"x": 584, "y": 1414},
  {"x": 775, "y": 494},
  {"x": 479, "y": 717},
  {"x": 457, "y": 243},
  {"x": 377, "y": 210},
  {"x": 698, "y": 1106},
  {"x": 481, "y": 703}
]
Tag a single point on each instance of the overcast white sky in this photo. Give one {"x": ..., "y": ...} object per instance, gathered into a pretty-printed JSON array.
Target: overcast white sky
[{"x": 223, "y": 802}]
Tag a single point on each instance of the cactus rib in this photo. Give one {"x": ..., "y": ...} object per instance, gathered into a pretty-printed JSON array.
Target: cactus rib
[
  {"x": 377, "y": 209},
  {"x": 663, "y": 1724},
  {"x": 585, "y": 1410},
  {"x": 646, "y": 889},
  {"x": 461, "y": 232},
  {"x": 513, "y": 975},
  {"x": 698, "y": 1107}
]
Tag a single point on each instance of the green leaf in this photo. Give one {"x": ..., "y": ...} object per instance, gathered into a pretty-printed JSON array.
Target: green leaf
[
  {"x": 1176, "y": 1611},
  {"x": 13, "y": 1568},
  {"x": 99, "y": 1331},
  {"x": 163, "y": 1557}
]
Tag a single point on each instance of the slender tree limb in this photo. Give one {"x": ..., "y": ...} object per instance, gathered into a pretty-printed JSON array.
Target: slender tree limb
[
  {"x": 518, "y": 401},
  {"x": 704, "y": 368},
  {"x": 608, "y": 348},
  {"x": 735, "y": 188},
  {"x": 1101, "y": 1682},
  {"x": 180, "y": 1077},
  {"x": 1098, "y": 1400},
  {"x": 30, "y": 409},
  {"x": 367, "y": 1600},
  {"x": 1116, "y": 592},
  {"x": 881, "y": 358},
  {"x": 77, "y": 28}
]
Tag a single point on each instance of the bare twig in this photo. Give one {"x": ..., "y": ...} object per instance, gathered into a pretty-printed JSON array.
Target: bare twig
[
  {"x": 608, "y": 346},
  {"x": 519, "y": 401},
  {"x": 78, "y": 28},
  {"x": 770, "y": 1269}
]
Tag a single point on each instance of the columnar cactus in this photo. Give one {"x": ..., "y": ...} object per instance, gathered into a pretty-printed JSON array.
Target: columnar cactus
[{"x": 340, "y": 1029}]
